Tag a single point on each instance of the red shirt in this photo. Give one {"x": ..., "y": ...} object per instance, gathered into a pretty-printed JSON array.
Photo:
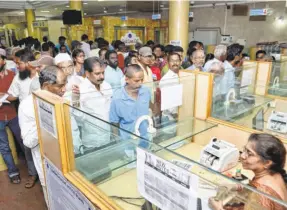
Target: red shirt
[
  {"x": 121, "y": 61},
  {"x": 155, "y": 73},
  {"x": 7, "y": 111}
]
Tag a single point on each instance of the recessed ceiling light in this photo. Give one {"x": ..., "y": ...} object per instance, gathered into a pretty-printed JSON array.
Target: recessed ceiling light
[
  {"x": 85, "y": 13},
  {"x": 85, "y": 3},
  {"x": 21, "y": 12},
  {"x": 46, "y": 11},
  {"x": 161, "y": 5},
  {"x": 67, "y": 6},
  {"x": 120, "y": 10},
  {"x": 56, "y": 8},
  {"x": 105, "y": 11}
]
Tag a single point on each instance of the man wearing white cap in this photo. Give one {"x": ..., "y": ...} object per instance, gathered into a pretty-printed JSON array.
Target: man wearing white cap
[{"x": 64, "y": 62}]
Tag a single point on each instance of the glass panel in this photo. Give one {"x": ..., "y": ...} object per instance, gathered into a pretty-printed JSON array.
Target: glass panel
[
  {"x": 113, "y": 167},
  {"x": 173, "y": 125},
  {"x": 278, "y": 78}
]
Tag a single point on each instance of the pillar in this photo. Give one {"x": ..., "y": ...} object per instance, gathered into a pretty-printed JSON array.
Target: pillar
[
  {"x": 76, "y": 4},
  {"x": 30, "y": 18},
  {"x": 178, "y": 22}
]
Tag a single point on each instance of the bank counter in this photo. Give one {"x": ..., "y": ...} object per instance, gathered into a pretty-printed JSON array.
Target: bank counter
[
  {"x": 168, "y": 168},
  {"x": 250, "y": 105}
]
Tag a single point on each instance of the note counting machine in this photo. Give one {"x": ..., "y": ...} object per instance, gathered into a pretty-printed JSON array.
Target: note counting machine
[
  {"x": 219, "y": 155},
  {"x": 277, "y": 122}
]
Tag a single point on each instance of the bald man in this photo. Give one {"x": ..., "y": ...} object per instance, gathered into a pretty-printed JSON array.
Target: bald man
[{"x": 131, "y": 102}]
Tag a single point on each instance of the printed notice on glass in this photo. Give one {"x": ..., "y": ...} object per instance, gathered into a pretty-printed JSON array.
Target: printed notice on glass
[
  {"x": 164, "y": 184},
  {"x": 171, "y": 96},
  {"x": 61, "y": 193},
  {"x": 47, "y": 117}
]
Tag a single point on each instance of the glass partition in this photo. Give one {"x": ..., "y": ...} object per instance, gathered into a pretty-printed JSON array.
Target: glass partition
[
  {"x": 128, "y": 170},
  {"x": 170, "y": 110},
  {"x": 278, "y": 79}
]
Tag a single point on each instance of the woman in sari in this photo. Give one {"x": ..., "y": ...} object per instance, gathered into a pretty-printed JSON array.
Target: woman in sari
[{"x": 265, "y": 155}]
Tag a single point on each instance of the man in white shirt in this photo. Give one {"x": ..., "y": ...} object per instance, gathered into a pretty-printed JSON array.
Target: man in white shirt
[
  {"x": 85, "y": 46},
  {"x": 95, "y": 99},
  {"x": 113, "y": 74},
  {"x": 171, "y": 78},
  {"x": 65, "y": 63},
  {"x": 53, "y": 80},
  {"x": 219, "y": 56},
  {"x": 233, "y": 60},
  {"x": 20, "y": 88}
]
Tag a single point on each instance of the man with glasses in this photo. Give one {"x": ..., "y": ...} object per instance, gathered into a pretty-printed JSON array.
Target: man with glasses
[
  {"x": 113, "y": 74},
  {"x": 51, "y": 79},
  {"x": 198, "y": 59}
]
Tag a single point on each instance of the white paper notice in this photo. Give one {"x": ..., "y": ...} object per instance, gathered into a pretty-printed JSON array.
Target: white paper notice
[
  {"x": 247, "y": 77},
  {"x": 171, "y": 96},
  {"x": 61, "y": 194},
  {"x": 164, "y": 184},
  {"x": 47, "y": 118},
  {"x": 3, "y": 99}
]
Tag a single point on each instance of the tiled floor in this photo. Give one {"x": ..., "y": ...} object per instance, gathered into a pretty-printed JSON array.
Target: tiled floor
[{"x": 14, "y": 197}]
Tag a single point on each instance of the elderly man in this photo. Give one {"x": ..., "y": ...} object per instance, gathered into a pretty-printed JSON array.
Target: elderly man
[
  {"x": 198, "y": 59},
  {"x": 65, "y": 63},
  {"x": 219, "y": 56},
  {"x": 95, "y": 99},
  {"x": 53, "y": 80}
]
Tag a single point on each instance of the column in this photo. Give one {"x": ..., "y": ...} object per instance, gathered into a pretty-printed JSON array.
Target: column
[
  {"x": 76, "y": 4},
  {"x": 30, "y": 18},
  {"x": 178, "y": 22}
]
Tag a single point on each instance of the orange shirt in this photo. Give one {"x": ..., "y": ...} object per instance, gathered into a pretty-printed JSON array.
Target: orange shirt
[{"x": 121, "y": 61}]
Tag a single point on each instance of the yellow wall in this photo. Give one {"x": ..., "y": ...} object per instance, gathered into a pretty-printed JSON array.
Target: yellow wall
[
  {"x": 19, "y": 29},
  {"x": 109, "y": 23},
  {"x": 54, "y": 29}
]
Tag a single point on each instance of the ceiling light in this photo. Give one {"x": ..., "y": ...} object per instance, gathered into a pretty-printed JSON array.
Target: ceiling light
[
  {"x": 105, "y": 11},
  {"x": 120, "y": 10},
  {"x": 21, "y": 12},
  {"x": 161, "y": 5},
  {"x": 46, "y": 11},
  {"x": 85, "y": 13},
  {"x": 56, "y": 8},
  {"x": 85, "y": 3},
  {"x": 67, "y": 6}
]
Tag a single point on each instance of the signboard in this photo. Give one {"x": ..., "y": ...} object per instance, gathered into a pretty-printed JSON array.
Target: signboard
[
  {"x": 226, "y": 39},
  {"x": 47, "y": 118},
  {"x": 258, "y": 12},
  {"x": 40, "y": 24},
  {"x": 61, "y": 193},
  {"x": 175, "y": 42},
  {"x": 156, "y": 17},
  {"x": 97, "y": 22},
  {"x": 124, "y": 17},
  {"x": 130, "y": 38},
  {"x": 190, "y": 14},
  {"x": 164, "y": 184}
]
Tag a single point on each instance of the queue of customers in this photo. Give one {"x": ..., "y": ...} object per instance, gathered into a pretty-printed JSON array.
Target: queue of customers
[{"x": 111, "y": 83}]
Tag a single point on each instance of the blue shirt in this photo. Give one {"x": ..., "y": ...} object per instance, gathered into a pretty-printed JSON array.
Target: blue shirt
[
  {"x": 125, "y": 110},
  {"x": 113, "y": 76}
]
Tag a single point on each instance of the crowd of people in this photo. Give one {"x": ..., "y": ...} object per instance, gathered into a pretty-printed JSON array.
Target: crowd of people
[{"x": 106, "y": 79}]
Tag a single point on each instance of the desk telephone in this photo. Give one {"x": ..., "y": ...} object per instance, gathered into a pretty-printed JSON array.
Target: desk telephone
[
  {"x": 277, "y": 122},
  {"x": 219, "y": 155}
]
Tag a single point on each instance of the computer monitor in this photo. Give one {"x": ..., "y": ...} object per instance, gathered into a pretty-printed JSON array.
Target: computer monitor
[{"x": 258, "y": 120}]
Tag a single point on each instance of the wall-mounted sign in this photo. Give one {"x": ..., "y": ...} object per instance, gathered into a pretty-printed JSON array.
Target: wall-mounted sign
[
  {"x": 258, "y": 12},
  {"x": 124, "y": 17},
  {"x": 226, "y": 39},
  {"x": 97, "y": 22},
  {"x": 190, "y": 14},
  {"x": 130, "y": 38},
  {"x": 40, "y": 24},
  {"x": 156, "y": 17},
  {"x": 175, "y": 42}
]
